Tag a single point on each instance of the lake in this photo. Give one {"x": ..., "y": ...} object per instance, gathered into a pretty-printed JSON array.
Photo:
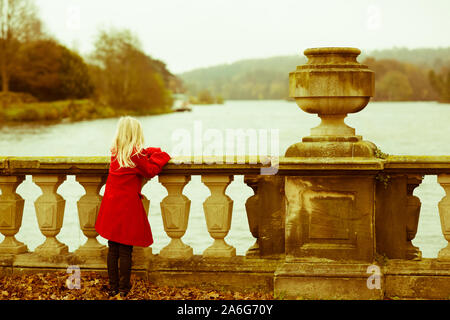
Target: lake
[{"x": 403, "y": 128}]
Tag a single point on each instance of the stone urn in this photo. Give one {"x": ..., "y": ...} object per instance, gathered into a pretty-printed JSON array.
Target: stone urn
[{"x": 332, "y": 84}]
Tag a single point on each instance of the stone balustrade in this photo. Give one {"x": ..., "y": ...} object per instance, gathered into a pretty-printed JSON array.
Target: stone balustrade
[{"x": 49, "y": 173}]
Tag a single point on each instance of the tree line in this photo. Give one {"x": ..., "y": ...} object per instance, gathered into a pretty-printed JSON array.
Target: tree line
[
  {"x": 118, "y": 73},
  {"x": 400, "y": 75}
]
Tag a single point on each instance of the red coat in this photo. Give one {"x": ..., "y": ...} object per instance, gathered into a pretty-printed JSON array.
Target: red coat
[{"x": 122, "y": 217}]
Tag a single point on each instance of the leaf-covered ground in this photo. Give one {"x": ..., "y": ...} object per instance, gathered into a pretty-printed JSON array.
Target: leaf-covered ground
[{"x": 93, "y": 286}]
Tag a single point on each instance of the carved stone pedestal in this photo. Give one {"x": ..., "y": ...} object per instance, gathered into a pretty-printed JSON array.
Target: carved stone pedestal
[{"x": 330, "y": 225}]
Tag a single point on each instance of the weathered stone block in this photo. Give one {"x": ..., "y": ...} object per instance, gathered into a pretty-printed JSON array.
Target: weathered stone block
[
  {"x": 330, "y": 217},
  {"x": 325, "y": 279}
]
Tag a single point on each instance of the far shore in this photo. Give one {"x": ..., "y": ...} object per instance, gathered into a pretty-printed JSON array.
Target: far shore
[
  {"x": 65, "y": 111},
  {"x": 70, "y": 111}
]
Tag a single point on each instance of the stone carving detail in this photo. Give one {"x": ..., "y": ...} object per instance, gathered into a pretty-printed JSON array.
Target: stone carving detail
[
  {"x": 50, "y": 213},
  {"x": 444, "y": 212},
  {"x": 11, "y": 212},
  {"x": 330, "y": 215},
  {"x": 175, "y": 209},
  {"x": 218, "y": 208},
  {"x": 88, "y": 207}
]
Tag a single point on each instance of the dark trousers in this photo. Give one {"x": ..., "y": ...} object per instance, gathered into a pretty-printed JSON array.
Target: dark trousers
[{"x": 119, "y": 266}]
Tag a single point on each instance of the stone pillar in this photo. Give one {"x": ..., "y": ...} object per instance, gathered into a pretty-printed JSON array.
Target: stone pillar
[
  {"x": 253, "y": 209},
  {"x": 50, "y": 213},
  {"x": 266, "y": 214},
  {"x": 331, "y": 216},
  {"x": 413, "y": 212},
  {"x": 397, "y": 213},
  {"x": 140, "y": 254},
  {"x": 175, "y": 209},
  {"x": 11, "y": 212},
  {"x": 218, "y": 208},
  {"x": 88, "y": 207},
  {"x": 444, "y": 213},
  {"x": 329, "y": 226},
  {"x": 145, "y": 200},
  {"x": 272, "y": 216}
]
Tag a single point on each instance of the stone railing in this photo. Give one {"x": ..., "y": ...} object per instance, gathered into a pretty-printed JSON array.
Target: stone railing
[
  {"x": 91, "y": 172},
  {"x": 394, "y": 180},
  {"x": 395, "y": 176}
]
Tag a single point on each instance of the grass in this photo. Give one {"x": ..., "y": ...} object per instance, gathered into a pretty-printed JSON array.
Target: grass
[{"x": 64, "y": 110}]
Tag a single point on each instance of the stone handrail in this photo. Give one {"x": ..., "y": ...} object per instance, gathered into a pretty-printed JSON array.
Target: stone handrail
[
  {"x": 50, "y": 172},
  {"x": 285, "y": 165}
]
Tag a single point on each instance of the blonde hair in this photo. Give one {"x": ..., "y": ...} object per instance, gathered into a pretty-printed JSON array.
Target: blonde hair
[{"x": 129, "y": 137}]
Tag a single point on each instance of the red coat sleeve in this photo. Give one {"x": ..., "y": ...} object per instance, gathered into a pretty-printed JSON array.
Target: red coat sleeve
[
  {"x": 151, "y": 162},
  {"x": 151, "y": 150}
]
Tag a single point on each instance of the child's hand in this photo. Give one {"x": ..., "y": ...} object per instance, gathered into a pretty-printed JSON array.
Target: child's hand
[{"x": 150, "y": 150}]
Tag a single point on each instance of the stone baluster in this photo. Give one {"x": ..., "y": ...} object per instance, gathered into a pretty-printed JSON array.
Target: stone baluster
[
  {"x": 145, "y": 200},
  {"x": 175, "y": 209},
  {"x": 50, "y": 213},
  {"x": 413, "y": 213},
  {"x": 11, "y": 212},
  {"x": 252, "y": 206},
  {"x": 444, "y": 212},
  {"x": 140, "y": 254},
  {"x": 88, "y": 207},
  {"x": 218, "y": 209}
]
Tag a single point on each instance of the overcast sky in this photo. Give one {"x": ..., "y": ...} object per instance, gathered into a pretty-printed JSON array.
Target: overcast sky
[{"x": 188, "y": 34}]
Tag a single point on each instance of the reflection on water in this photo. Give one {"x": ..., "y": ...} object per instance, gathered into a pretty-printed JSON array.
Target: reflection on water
[{"x": 415, "y": 128}]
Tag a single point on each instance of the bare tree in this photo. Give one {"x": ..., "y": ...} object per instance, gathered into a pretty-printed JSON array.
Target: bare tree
[
  {"x": 19, "y": 23},
  {"x": 127, "y": 77}
]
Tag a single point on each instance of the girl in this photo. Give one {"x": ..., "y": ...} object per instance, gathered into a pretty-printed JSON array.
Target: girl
[{"x": 122, "y": 218}]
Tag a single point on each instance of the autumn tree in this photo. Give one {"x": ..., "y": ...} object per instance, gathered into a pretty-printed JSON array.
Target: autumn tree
[
  {"x": 19, "y": 23},
  {"x": 397, "y": 81},
  {"x": 205, "y": 97},
  {"x": 49, "y": 71},
  {"x": 394, "y": 86},
  {"x": 441, "y": 84},
  {"x": 126, "y": 77}
]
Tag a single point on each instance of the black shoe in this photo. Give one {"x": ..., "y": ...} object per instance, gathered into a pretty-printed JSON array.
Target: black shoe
[
  {"x": 112, "y": 293},
  {"x": 123, "y": 294}
]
